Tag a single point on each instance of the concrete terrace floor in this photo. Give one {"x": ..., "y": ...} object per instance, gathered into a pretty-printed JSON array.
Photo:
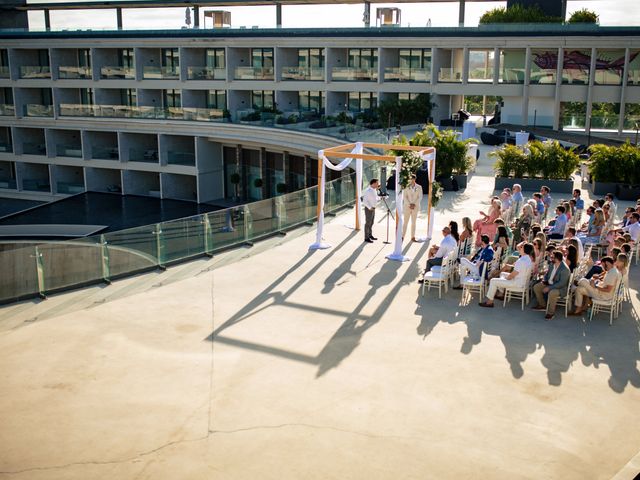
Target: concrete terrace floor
[{"x": 276, "y": 362}]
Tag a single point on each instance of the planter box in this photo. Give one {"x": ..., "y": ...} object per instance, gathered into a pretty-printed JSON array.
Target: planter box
[
  {"x": 534, "y": 184},
  {"x": 628, "y": 192},
  {"x": 462, "y": 181},
  {"x": 602, "y": 188}
]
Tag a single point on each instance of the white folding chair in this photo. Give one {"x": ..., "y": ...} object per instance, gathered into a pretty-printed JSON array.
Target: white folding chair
[
  {"x": 474, "y": 283},
  {"x": 515, "y": 292},
  {"x": 612, "y": 305},
  {"x": 566, "y": 300},
  {"x": 439, "y": 276}
]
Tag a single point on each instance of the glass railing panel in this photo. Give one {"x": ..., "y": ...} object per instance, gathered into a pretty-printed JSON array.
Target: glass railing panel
[
  {"x": 70, "y": 188},
  {"x": 7, "y": 110},
  {"x": 543, "y": 76},
  {"x": 174, "y": 113},
  {"x": 32, "y": 148},
  {"x": 631, "y": 122},
  {"x": 6, "y": 147},
  {"x": 351, "y": 74},
  {"x": 8, "y": 183},
  {"x": 206, "y": 73},
  {"x": 512, "y": 75},
  {"x": 104, "y": 153},
  {"x": 143, "y": 155},
  {"x": 633, "y": 77},
  {"x": 20, "y": 273},
  {"x": 203, "y": 114},
  {"x": 398, "y": 74},
  {"x": 570, "y": 122},
  {"x": 4, "y": 71},
  {"x": 227, "y": 228},
  {"x": 574, "y": 76},
  {"x": 35, "y": 110},
  {"x": 450, "y": 75},
  {"x": 160, "y": 73},
  {"x": 36, "y": 185},
  {"x": 71, "y": 263},
  {"x": 35, "y": 72},
  {"x": 183, "y": 238},
  {"x": 114, "y": 73},
  {"x": 254, "y": 73},
  {"x": 181, "y": 158},
  {"x": 303, "y": 73},
  {"x": 609, "y": 122},
  {"x": 294, "y": 208},
  {"x": 133, "y": 250},
  {"x": 74, "y": 72},
  {"x": 74, "y": 151},
  {"x": 262, "y": 218},
  {"x": 607, "y": 77},
  {"x": 481, "y": 76},
  {"x": 77, "y": 110}
]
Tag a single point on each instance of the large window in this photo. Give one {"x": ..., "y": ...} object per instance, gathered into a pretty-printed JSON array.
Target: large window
[
  {"x": 128, "y": 97},
  {"x": 362, "y": 101},
  {"x": 86, "y": 96},
  {"x": 6, "y": 96},
  {"x": 311, "y": 101},
  {"x": 512, "y": 65},
  {"x": 126, "y": 58},
  {"x": 262, "y": 99},
  {"x": 171, "y": 98},
  {"x": 43, "y": 57},
  {"x": 481, "y": 65},
  {"x": 84, "y": 57},
  {"x": 262, "y": 57},
  {"x": 605, "y": 116},
  {"x": 217, "y": 99},
  {"x": 365, "y": 58},
  {"x": 576, "y": 66},
  {"x": 171, "y": 58},
  {"x": 633, "y": 75},
  {"x": 609, "y": 67},
  {"x": 573, "y": 115},
  {"x": 214, "y": 58},
  {"x": 544, "y": 66},
  {"x": 311, "y": 57}
]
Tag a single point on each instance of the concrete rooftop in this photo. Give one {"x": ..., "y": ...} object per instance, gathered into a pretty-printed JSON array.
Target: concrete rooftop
[{"x": 276, "y": 363}]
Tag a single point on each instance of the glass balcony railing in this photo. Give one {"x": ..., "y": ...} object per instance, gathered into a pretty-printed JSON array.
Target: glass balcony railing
[
  {"x": 160, "y": 73},
  {"x": 35, "y": 110},
  {"x": 206, "y": 73},
  {"x": 512, "y": 75},
  {"x": 35, "y": 72},
  {"x": 352, "y": 74},
  {"x": 575, "y": 77},
  {"x": 480, "y": 75},
  {"x": 4, "y": 71},
  {"x": 36, "y": 185},
  {"x": 401, "y": 74},
  {"x": 116, "y": 73},
  {"x": 74, "y": 151},
  {"x": 104, "y": 153},
  {"x": 203, "y": 114},
  {"x": 604, "y": 122},
  {"x": 70, "y": 188},
  {"x": 6, "y": 147},
  {"x": 450, "y": 75},
  {"x": 607, "y": 77},
  {"x": 631, "y": 123},
  {"x": 633, "y": 77},
  {"x": 74, "y": 72},
  {"x": 546, "y": 76},
  {"x": 573, "y": 122},
  {"x": 9, "y": 183},
  {"x": 303, "y": 73},
  {"x": 149, "y": 155},
  {"x": 31, "y": 148},
  {"x": 149, "y": 113},
  {"x": 254, "y": 73},
  {"x": 7, "y": 110},
  {"x": 181, "y": 158}
]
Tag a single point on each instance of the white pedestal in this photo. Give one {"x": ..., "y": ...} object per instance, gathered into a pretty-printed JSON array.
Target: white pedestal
[
  {"x": 468, "y": 129},
  {"x": 522, "y": 138}
]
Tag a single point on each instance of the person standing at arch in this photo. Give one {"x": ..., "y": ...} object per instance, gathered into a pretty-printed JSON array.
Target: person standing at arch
[
  {"x": 370, "y": 199},
  {"x": 412, "y": 196}
]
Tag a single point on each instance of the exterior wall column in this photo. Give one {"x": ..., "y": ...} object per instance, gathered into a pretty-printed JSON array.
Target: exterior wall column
[
  {"x": 556, "y": 105},
  {"x": 119, "y": 17},
  {"x": 525, "y": 87},
  {"x": 592, "y": 78},
  {"x": 264, "y": 173},
  {"x": 623, "y": 90},
  {"x": 496, "y": 66},
  {"x": 465, "y": 65},
  {"x": 278, "y": 15}
]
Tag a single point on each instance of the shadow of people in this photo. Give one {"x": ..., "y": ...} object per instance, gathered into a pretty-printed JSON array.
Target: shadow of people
[{"x": 341, "y": 270}]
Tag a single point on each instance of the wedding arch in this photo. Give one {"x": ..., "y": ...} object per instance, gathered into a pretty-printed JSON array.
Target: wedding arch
[{"x": 355, "y": 151}]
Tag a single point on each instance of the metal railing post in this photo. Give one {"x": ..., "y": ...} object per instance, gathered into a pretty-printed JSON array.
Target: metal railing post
[
  {"x": 208, "y": 247},
  {"x": 159, "y": 245},
  {"x": 40, "y": 273},
  {"x": 106, "y": 268}
]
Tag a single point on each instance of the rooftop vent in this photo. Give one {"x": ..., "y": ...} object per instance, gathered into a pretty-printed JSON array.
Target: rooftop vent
[{"x": 387, "y": 17}]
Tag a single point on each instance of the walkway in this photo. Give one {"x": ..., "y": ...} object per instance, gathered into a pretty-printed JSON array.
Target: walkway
[{"x": 327, "y": 364}]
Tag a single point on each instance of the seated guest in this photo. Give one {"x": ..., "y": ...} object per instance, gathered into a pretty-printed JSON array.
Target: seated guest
[
  {"x": 500, "y": 223},
  {"x": 625, "y": 218},
  {"x": 586, "y": 226},
  {"x": 521, "y": 229},
  {"x": 472, "y": 266},
  {"x": 556, "y": 232},
  {"x": 518, "y": 277},
  {"x": 502, "y": 240},
  {"x": 467, "y": 234},
  {"x": 570, "y": 235},
  {"x": 608, "y": 213},
  {"x": 608, "y": 198},
  {"x": 453, "y": 226},
  {"x": 595, "y": 230},
  {"x": 485, "y": 225},
  {"x": 597, "y": 269},
  {"x": 517, "y": 198},
  {"x": 439, "y": 253},
  {"x": 553, "y": 286},
  {"x": 622, "y": 264},
  {"x": 505, "y": 199},
  {"x": 572, "y": 257},
  {"x": 539, "y": 206},
  {"x": 633, "y": 227},
  {"x": 568, "y": 210},
  {"x": 579, "y": 201},
  {"x": 596, "y": 289}
]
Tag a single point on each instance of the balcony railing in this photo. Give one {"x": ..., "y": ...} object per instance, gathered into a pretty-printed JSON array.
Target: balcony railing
[
  {"x": 74, "y": 72},
  {"x": 7, "y": 110},
  {"x": 70, "y": 187},
  {"x": 480, "y": 75},
  {"x": 36, "y": 185},
  {"x": 181, "y": 158},
  {"x": 512, "y": 75},
  {"x": 117, "y": 73},
  {"x": 31, "y": 148},
  {"x": 160, "y": 73},
  {"x": 543, "y": 76},
  {"x": 36, "y": 110},
  {"x": 402, "y": 74},
  {"x": 35, "y": 72},
  {"x": 4, "y": 71},
  {"x": 104, "y": 153},
  {"x": 450, "y": 75},
  {"x": 206, "y": 73},
  {"x": 149, "y": 155},
  {"x": 352, "y": 74},
  {"x": 633, "y": 77},
  {"x": 254, "y": 73},
  {"x": 149, "y": 113},
  {"x": 74, "y": 151},
  {"x": 303, "y": 73},
  {"x": 575, "y": 77},
  {"x": 6, "y": 147},
  {"x": 9, "y": 183}
]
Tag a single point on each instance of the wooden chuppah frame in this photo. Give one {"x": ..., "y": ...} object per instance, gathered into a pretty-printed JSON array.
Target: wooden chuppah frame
[{"x": 345, "y": 151}]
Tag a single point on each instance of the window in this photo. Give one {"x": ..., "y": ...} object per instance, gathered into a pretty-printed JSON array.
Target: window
[
  {"x": 361, "y": 101},
  {"x": 84, "y": 57},
  {"x": 415, "y": 58},
  {"x": 128, "y": 96},
  {"x": 262, "y": 99},
  {"x": 214, "y": 58},
  {"x": 366, "y": 58},
  {"x": 45, "y": 96},
  {"x": 217, "y": 99},
  {"x": 170, "y": 57},
  {"x": 311, "y": 101},
  {"x": 4, "y": 58},
  {"x": 43, "y": 57},
  {"x": 6, "y": 96},
  {"x": 262, "y": 57},
  {"x": 311, "y": 57},
  {"x": 171, "y": 98},
  {"x": 86, "y": 96},
  {"x": 125, "y": 58}
]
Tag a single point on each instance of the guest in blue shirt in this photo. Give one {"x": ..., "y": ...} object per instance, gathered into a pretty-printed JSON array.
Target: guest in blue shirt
[
  {"x": 517, "y": 198},
  {"x": 559, "y": 225},
  {"x": 579, "y": 201},
  {"x": 484, "y": 255}
]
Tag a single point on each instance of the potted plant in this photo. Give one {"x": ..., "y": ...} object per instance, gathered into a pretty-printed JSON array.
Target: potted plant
[{"x": 615, "y": 170}]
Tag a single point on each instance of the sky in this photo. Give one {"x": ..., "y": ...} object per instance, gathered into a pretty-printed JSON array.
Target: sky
[{"x": 620, "y": 12}]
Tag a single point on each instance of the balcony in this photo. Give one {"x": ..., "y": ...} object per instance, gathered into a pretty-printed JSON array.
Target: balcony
[
  {"x": 254, "y": 73},
  {"x": 160, "y": 73},
  {"x": 104, "y": 153},
  {"x": 9, "y": 183},
  {"x": 512, "y": 75},
  {"x": 543, "y": 76},
  {"x": 352, "y": 74},
  {"x": 147, "y": 113},
  {"x": 633, "y": 77},
  {"x": 6, "y": 147},
  {"x": 35, "y": 72},
  {"x": 117, "y": 73},
  {"x": 141, "y": 155},
  {"x": 7, "y": 110},
  {"x": 480, "y": 75},
  {"x": 4, "y": 71},
  {"x": 450, "y": 75},
  {"x": 398, "y": 74},
  {"x": 303, "y": 73},
  {"x": 70, "y": 188},
  {"x": 74, "y": 72},
  {"x": 30, "y": 148},
  {"x": 36, "y": 110},
  {"x": 181, "y": 158},
  {"x": 73, "y": 151},
  {"x": 206, "y": 73}
]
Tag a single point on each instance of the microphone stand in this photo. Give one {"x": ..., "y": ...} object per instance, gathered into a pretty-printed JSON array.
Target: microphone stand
[{"x": 384, "y": 199}]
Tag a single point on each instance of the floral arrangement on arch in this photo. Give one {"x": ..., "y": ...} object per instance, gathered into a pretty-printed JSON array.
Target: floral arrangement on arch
[{"x": 411, "y": 162}]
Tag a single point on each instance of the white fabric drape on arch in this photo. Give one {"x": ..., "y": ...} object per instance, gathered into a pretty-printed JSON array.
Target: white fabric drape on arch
[{"x": 319, "y": 244}]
